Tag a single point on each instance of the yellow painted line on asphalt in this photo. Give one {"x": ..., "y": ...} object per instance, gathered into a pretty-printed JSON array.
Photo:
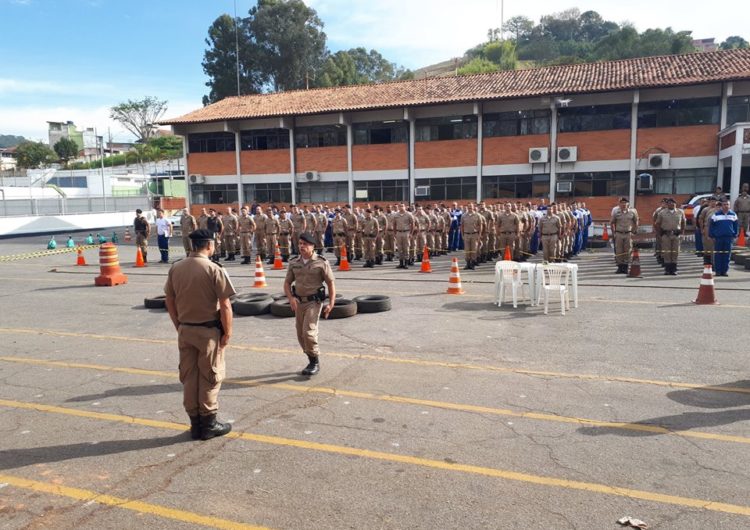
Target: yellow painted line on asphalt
[
  {"x": 539, "y": 416},
  {"x": 126, "y": 504},
  {"x": 554, "y": 482},
  {"x": 399, "y": 360}
]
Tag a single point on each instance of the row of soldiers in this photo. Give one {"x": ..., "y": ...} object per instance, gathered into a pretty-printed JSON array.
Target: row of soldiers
[{"x": 381, "y": 234}]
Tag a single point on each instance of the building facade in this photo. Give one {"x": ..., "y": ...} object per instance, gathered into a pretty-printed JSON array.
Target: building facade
[{"x": 643, "y": 128}]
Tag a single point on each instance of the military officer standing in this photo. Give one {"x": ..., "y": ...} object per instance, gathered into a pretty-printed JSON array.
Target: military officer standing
[
  {"x": 197, "y": 299},
  {"x": 286, "y": 234},
  {"x": 352, "y": 226},
  {"x": 188, "y": 224},
  {"x": 142, "y": 230},
  {"x": 303, "y": 287},
  {"x": 657, "y": 234},
  {"x": 370, "y": 230},
  {"x": 231, "y": 226},
  {"x": 338, "y": 225},
  {"x": 382, "y": 231},
  {"x": 471, "y": 229},
  {"x": 742, "y": 209},
  {"x": 508, "y": 230},
  {"x": 624, "y": 224},
  {"x": 321, "y": 225},
  {"x": 247, "y": 227},
  {"x": 551, "y": 230},
  {"x": 403, "y": 225},
  {"x": 670, "y": 223},
  {"x": 203, "y": 219},
  {"x": 300, "y": 226},
  {"x": 260, "y": 232},
  {"x": 703, "y": 220},
  {"x": 272, "y": 233}
]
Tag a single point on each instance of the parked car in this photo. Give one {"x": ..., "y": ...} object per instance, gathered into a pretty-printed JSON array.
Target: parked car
[
  {"x": 176, "y": 221},
  {"x": 692, "y": 203}
]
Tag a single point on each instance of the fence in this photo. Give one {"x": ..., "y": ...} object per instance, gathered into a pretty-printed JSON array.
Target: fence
[{"x": 72, "y": 205}]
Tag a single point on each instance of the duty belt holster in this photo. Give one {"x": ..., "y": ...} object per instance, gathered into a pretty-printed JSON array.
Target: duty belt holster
[{"x": 319, "y": 296}]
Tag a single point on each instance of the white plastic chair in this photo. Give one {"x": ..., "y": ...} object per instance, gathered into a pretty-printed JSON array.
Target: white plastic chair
[
  {"x": 508, "y": 273},
  {"x": 555, "y": 279}
]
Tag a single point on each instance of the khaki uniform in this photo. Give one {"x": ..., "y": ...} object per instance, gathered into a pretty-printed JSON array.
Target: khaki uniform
[
  {"x": 260, "y": 234},
  {"x": 423, "y": 225},
  {"x": 272, "y": 234},
  {"x": 709, "y": 245},
  {"x": 382, "y": 230},
  {"x": 657, "y": 234},
  {"x": 142, "y": 230},
  {"x": 247, "y": 227},
  {"x": 188, "y": 224},
  {"x": 359, "y": 244},
  {"x": 307, "y": 278},
  {"x": 742, "y": 209},
  {"x": 389, "y": 243},
  {"x": 352, "y": 225},
  {"x": 489, "y": 241},
  {"x": 197, "y": 285},
  {"x": 231, "y": 226},
  {"x": 508, "y": 227},
  {"x": 472, "y": 227},
  {"x": 550, "y": 227},
  {"x": 670, "y": 224},
  {"x": 624, "y": 225},
  {"x": 300, "y": 226},
  {"x": 370, "y": 230},
  {"x": 339, "y": 236},
  {"x": 403, "y": 225},
  {"x": 321, "y": 225},
  {"x": 202, "y": 222},
  {"x": 286, "y": 234}
]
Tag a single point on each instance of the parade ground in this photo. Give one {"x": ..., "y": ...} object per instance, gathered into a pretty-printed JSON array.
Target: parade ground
[{"x": 444, "y": 412}]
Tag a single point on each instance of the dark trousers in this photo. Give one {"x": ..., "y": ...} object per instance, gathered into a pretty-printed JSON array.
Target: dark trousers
[
  {"x": 723, "y": 250},
  {"x": 163, "y": 247}
]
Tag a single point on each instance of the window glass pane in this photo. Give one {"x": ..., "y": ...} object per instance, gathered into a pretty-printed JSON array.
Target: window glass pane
[
  {"x": 594, "y": 118},
  {"x": 447, "y": 128},
  {"x": 679, "y": 112}
]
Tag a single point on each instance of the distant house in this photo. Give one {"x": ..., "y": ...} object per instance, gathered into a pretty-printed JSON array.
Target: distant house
[
  {"x": 705, "y": 45},
  {"x": 87, "y": 140},
  {"x": 7, "y": 158}
]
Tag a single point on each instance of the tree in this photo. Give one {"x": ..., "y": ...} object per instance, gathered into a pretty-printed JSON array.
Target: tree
[
  {"x": 31, "y": 155},
  {"x": 734, "y": 42},
  {"x": 478, "y": 66},
  {"x": 140, "y": 116},
  {"x": 66, "y": 149},
  {"x": 502, "y": 54},
  {"x": 220, "y": 60},
  {"x": 520, "y": 27}
]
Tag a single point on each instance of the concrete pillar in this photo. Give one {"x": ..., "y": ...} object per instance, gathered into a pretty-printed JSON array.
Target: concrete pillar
[
  {"x": 552, "y": 150},
  {"x": 633, "y": 145},
  {"x": 734, "y": 184},
  {"x": 480, "y": 148},
  {"x": 412, "y": 133},
  {"x": 238, "y": 162},
  {"x": 726, "y": 92},
  {"x": 293, "y": 164},
  {"x": 349, "y": 164}
]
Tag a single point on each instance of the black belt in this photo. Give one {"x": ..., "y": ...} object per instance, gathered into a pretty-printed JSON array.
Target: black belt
[
  {"x": 370, "y": 235},
  {"x": 555, "y": 234},
  {"x": 628, "y": 232},
  {"x": 209, "y": 324},
  {"x": 507, "y": 232},
  {"x": 284, "y": 233},
  {"x": 469, "y": 233},
  {"x": 313, "y": 298},
  {"x": 340, "y": 234},
  {"x": 403, "y": 230}
]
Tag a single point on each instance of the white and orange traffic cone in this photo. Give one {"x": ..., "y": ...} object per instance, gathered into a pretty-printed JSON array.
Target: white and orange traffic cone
[
  {"x": 706, "y": 293},
  {"x": 127, "y": 235},
  {"x": 260, "y": 275},
  {"x": 277, "y": 263},
  {"x": 139, "y": 262},
  {"x": 81, "y": 261},
  {"x": 344, "y": 265},
  {"x": 507, "y": 255},
  {"x": 455, "y": 279},
  {"x": 426, "y": 261},
  {"x": 635, "y": 266}
]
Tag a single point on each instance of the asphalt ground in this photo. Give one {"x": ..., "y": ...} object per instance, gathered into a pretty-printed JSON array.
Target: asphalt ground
[{"x": 446, "y": 412}]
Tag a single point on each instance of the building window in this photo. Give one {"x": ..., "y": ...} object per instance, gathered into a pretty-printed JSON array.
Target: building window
[
  {"x": 381, "y": 132},
  {"x": 210, "y": 142},
  {"x": 517, "y": 123},
  {"x": 738, "y": 110},
  {"x": 679, "y": 113},
  {"x": 324, "y": 136},
  {"x": 599, "y": 184},
  {"x": 69, "y": 182},
  {"x": 594, "y": 118},
  {"x": 267, "y": 193},
  {"x": 322, "y": 192},
  {"x": 382, "y": 190},
  {"x": 684, "y": 181},
  {"x": 213, "y": 193},
  {"x": 450, "y": 128},
  {"x": 264, "y": 139},
  {"x": 515, "y": 186},
  {"x": 449, "y": 189}
]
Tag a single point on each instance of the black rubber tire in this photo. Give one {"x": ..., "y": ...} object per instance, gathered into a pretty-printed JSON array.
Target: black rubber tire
[
  {"x": 747, "y": 265},
  {"x": 252, "y": 307},
  {"x": 250, "y": 297},
  {"x": 344, "y": 308},
  {"x": 598, "y": 243},
  {"x": 372, "y": 303},
  {"x": 281, "y": 308},
  {"x": 157, "y": 302},
  {"x": 739, "y": 258},
  {"x": 278, "y": 296}
]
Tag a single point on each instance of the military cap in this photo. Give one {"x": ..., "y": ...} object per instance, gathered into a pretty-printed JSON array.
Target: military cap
[
  {"x": 368, "y": 211},
  {"x": 307, "y": 237},
  {"x": 670, "y": 199},
  {"x": 624, "y": 199},
  {"x": 201, "y": 235},
  {"x": 138, "y": 210}
]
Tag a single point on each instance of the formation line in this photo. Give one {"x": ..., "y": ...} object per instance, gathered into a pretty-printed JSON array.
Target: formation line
[
  {"x": 126, "y": 504},
  {"x": 401, "y": 360},
  {"x": 539, "y": 416},
  {"x": 368, "y": 454}
]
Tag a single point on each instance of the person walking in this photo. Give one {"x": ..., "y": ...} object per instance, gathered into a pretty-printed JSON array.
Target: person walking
[
  {"x": 197, "y": 299},
  {"x": 304, "y": 288}
]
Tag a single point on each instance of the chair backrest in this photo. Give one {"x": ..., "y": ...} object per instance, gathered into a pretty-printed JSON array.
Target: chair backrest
[
  {"x": 508, "y": 270},
  {"x": 555, "y": 275}
]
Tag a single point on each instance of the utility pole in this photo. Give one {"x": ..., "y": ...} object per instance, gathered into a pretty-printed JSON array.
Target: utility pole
[{"x": 237, "y": 45}]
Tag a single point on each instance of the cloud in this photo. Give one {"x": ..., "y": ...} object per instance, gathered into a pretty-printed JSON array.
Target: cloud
[{"x": 26, "y": 86}]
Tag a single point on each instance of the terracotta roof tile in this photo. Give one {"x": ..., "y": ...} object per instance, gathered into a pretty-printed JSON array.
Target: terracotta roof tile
[{"x": 644, "y": 72}]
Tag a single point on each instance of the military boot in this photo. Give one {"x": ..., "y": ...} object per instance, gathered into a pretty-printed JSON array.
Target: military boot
[
  {"x": 230, "y": 257},
  {"x": 245, "y": 260},
  {"x": 195, "y": 427},
  {"x": 313, "y": 366},
  {"x": 211, "y": 427},
  {"x": 338, "y": 262}
]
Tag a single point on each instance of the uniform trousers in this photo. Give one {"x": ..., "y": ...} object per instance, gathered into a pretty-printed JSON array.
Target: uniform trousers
[
  {"x": 230, "y": 242},
  {"x": 271, "y": 242},
  {"x": 260, "y": 244},
  {"x": 351, "y": 235},
  {"x": 163, "y": 247},
  {"x": 708, "y": 250},
  {"x": 723, "y": 248},
  {"x": 141, "y": 241},
  {"x": 187, "y": 244},
  {"x": 246, "y": 244},
  {"x": 623, "y": 247},
  {"x": 402, "y": 240},
  {"x": 319, "y": 240},
  {"x": 339, "y": 240},
  {"x": 670, "y": 247},
  {"x": 283, "y": 244},
  {"x": 471, "y": 246},
  {"x": 306, "y": 320},
  {"x": 389, "y": 242},
  {"x": 202, "y": 368},
  {"x": 549, "y": 246},
  {"x": 744, "y": 219},
  {"x": 506, "y": 239},
  {"x": 379, "y": 243},
  {"x": 369, "y": 244}
]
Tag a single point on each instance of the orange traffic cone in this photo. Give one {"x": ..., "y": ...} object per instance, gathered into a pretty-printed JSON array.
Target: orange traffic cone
[
  {"x": 109, "y": 265},
  {"x": 507, "y": 256},
  {"x": 741, "y": 239},
  {"x": 344, "y": 265},
  {"x": 127, "y": 235},
  {"x": 455, "y": 279},
  {"x": 426, "y": 261},
  {"x": 260, "y": 275},
  {"x": 605, "y": 234},
  {"x": 635, "y": 265},
  {"x": 81, "y": 262},
  {"x": 277, "y": 263},
  {"x": 139, "y": 258},
  {"x": 706, "y": 294}
]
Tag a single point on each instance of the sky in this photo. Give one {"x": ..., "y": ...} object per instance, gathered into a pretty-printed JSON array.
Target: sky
[{"x": 74, "y": 59}]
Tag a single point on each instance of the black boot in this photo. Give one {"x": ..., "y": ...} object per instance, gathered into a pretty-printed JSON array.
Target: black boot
[
  {"x": 673, "y": 269},
  {"x": 371, "y": 264},
  {"x": 313, "y": 366},
  {"x": 390, "y": 257},
  {"x": 245, "y": 260},
  {"x": 625, "y": 269},
  {"x": 619, "y": 269},
  {"x": 400, "y": 264},
  {"x": 467, "y": 267},
  {"x": 285, "y": 258},
  {"x": 338, "y": 262},
  {"x": 195, "y": 427},
  {"x": 230, "y": 257},
  {"x": 667, "y": 269},
  {"x": 211, "y": 427}
]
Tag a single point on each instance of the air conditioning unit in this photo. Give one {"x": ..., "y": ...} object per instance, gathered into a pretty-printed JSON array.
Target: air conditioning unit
[
  {"x": 565, "y": 186},
  {"x": 422, "y": 191},
  {"x": 567, "y": 154},
  {"x": 658, "y": 161},
  {"x": 197, "y": 179},
  {"x": 312, "y": 176},
  {"x": 645, "y": 182},
  {"x": 538, "y": 155}
]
